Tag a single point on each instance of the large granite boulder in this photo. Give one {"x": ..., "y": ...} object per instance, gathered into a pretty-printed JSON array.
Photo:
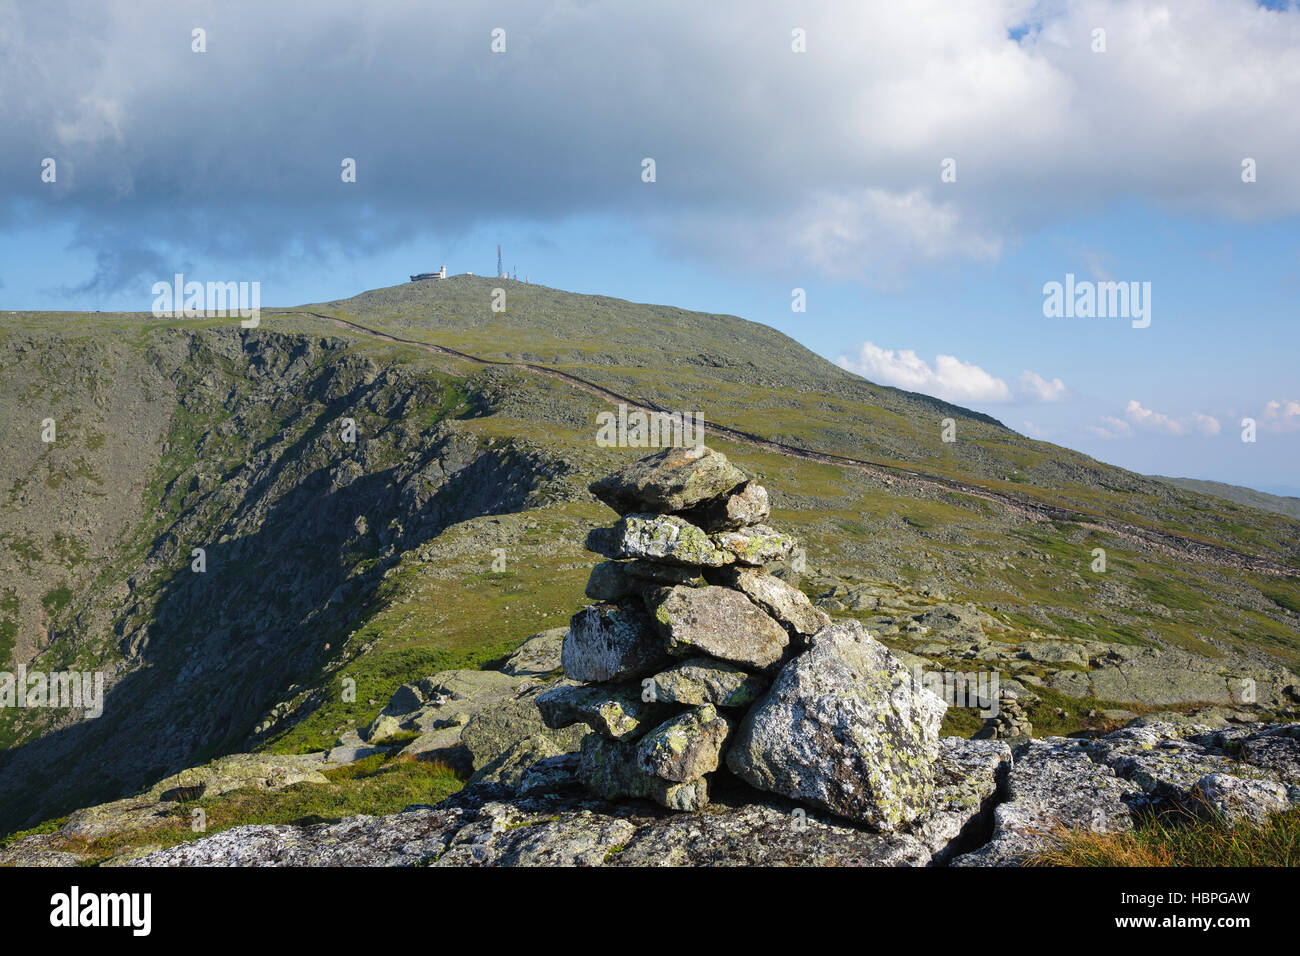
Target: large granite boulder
[{"x": 844, "y": 727}]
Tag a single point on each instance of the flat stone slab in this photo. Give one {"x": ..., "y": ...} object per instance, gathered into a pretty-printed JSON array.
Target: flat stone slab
[
  {"x": 666, "y": 538},
  {"x": 1054, "y": 784},
  {"x": 702, "y": 680},
  {"x": 717, "y": 622},
  {"x": 672, "y": 480}
]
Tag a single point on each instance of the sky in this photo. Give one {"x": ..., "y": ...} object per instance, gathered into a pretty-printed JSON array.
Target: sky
[{"x": 922, "y": 172}]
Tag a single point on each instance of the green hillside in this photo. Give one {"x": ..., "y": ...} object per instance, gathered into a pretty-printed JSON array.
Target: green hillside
[{"x": 374, "y": 559}]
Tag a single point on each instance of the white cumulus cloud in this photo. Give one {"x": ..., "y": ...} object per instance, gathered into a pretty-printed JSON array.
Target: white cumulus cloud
[
  {"x": 949, "y": 378},
  {"x": 1034, "y": 386},
  {"x": 1138, "y": 418},
  {"x": 1281, "y": 416}
]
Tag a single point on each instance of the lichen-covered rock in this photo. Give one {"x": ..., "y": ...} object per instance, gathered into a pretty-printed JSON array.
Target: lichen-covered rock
[
  {"x": 787, "y": 604},
  {"x": 404, "y": 839},
  {"x": 471, "y": 685},
  {"x": 537, "y": 656},
  {"x": 1165, "y": 770},
  {"x": 502, "y": 725},
  {"x": 747, "y": 505},
  {"x": 672, "y": 480},
  {"x": 844, "y": 727},
  {"x": 666, "y": 538},
  {"x": 618, "y": 712},
  {"x": 610, "y": 769},
  {"x": 754, "y": 546},
  {"x": 505, "y": 835},
  {"x": 485, "y": 826},
  {"x": 1053, "y": 785},
  {"x": 1233, "y": 799},
  {"x": 608, "y": 642},
  {"x": 967, "y": 778},
  {"x": 763, "y": 834},
  {"x": 38, "y": 850},
  {"x": 702, "y": 680},
  {"x": 512, "y": 765},
  {"x": 233, "y": 772},
  {"x": 685, "y": 747},
  {"x": 1277, "y": 750},
  {"x": 718, "y": 622}
]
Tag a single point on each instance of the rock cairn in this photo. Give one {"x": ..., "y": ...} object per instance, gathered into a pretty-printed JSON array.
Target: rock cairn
[
  {"x": 694, "y": 658},
  {"x": 1011, "y": 721}
]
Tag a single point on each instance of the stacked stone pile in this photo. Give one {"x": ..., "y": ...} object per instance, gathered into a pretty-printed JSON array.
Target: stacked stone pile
[{"x": 694, "y": 658}]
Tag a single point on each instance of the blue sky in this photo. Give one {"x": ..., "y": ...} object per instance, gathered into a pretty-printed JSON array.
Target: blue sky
[{"x": 776, "y": 169}]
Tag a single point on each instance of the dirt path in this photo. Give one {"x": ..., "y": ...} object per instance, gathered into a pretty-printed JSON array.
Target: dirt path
[{"x": 1168, "y": 543}]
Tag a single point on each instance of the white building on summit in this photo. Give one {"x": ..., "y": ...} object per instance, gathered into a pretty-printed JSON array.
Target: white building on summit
[{"x": 440, "y": 274}]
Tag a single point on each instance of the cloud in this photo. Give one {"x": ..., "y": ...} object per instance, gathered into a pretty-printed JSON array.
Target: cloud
[
  {"x": 949, "y": 377},
  {"x": 1039, "y": 389},
  {"x": 1140, "y": 419},
  {"x": 1111, "y": 427},
  {"x": 827, "y": 160},
  {"x": 1281, "y": 416}
]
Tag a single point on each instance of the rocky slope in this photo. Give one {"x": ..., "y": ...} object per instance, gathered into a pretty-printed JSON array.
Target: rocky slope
[
  {"x": 451, "y": 529},
  {"x": 989, "y": 809},
  {"x": 764, "y": 731}
]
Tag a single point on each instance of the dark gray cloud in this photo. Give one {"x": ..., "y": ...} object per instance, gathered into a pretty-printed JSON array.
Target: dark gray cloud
[{"x": 829, "y": 158}]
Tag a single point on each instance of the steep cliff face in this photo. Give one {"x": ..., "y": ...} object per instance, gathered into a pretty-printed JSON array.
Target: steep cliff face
[{"x": 215, "y": 510}]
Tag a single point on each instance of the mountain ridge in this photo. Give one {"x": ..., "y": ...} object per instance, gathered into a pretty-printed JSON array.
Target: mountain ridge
[{"x": 199, "y": 433}]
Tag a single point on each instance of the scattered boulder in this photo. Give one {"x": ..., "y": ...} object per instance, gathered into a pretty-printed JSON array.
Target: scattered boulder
[
  {"x": 538, "y": 656},
  {"x": 504, "y": 725}
]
